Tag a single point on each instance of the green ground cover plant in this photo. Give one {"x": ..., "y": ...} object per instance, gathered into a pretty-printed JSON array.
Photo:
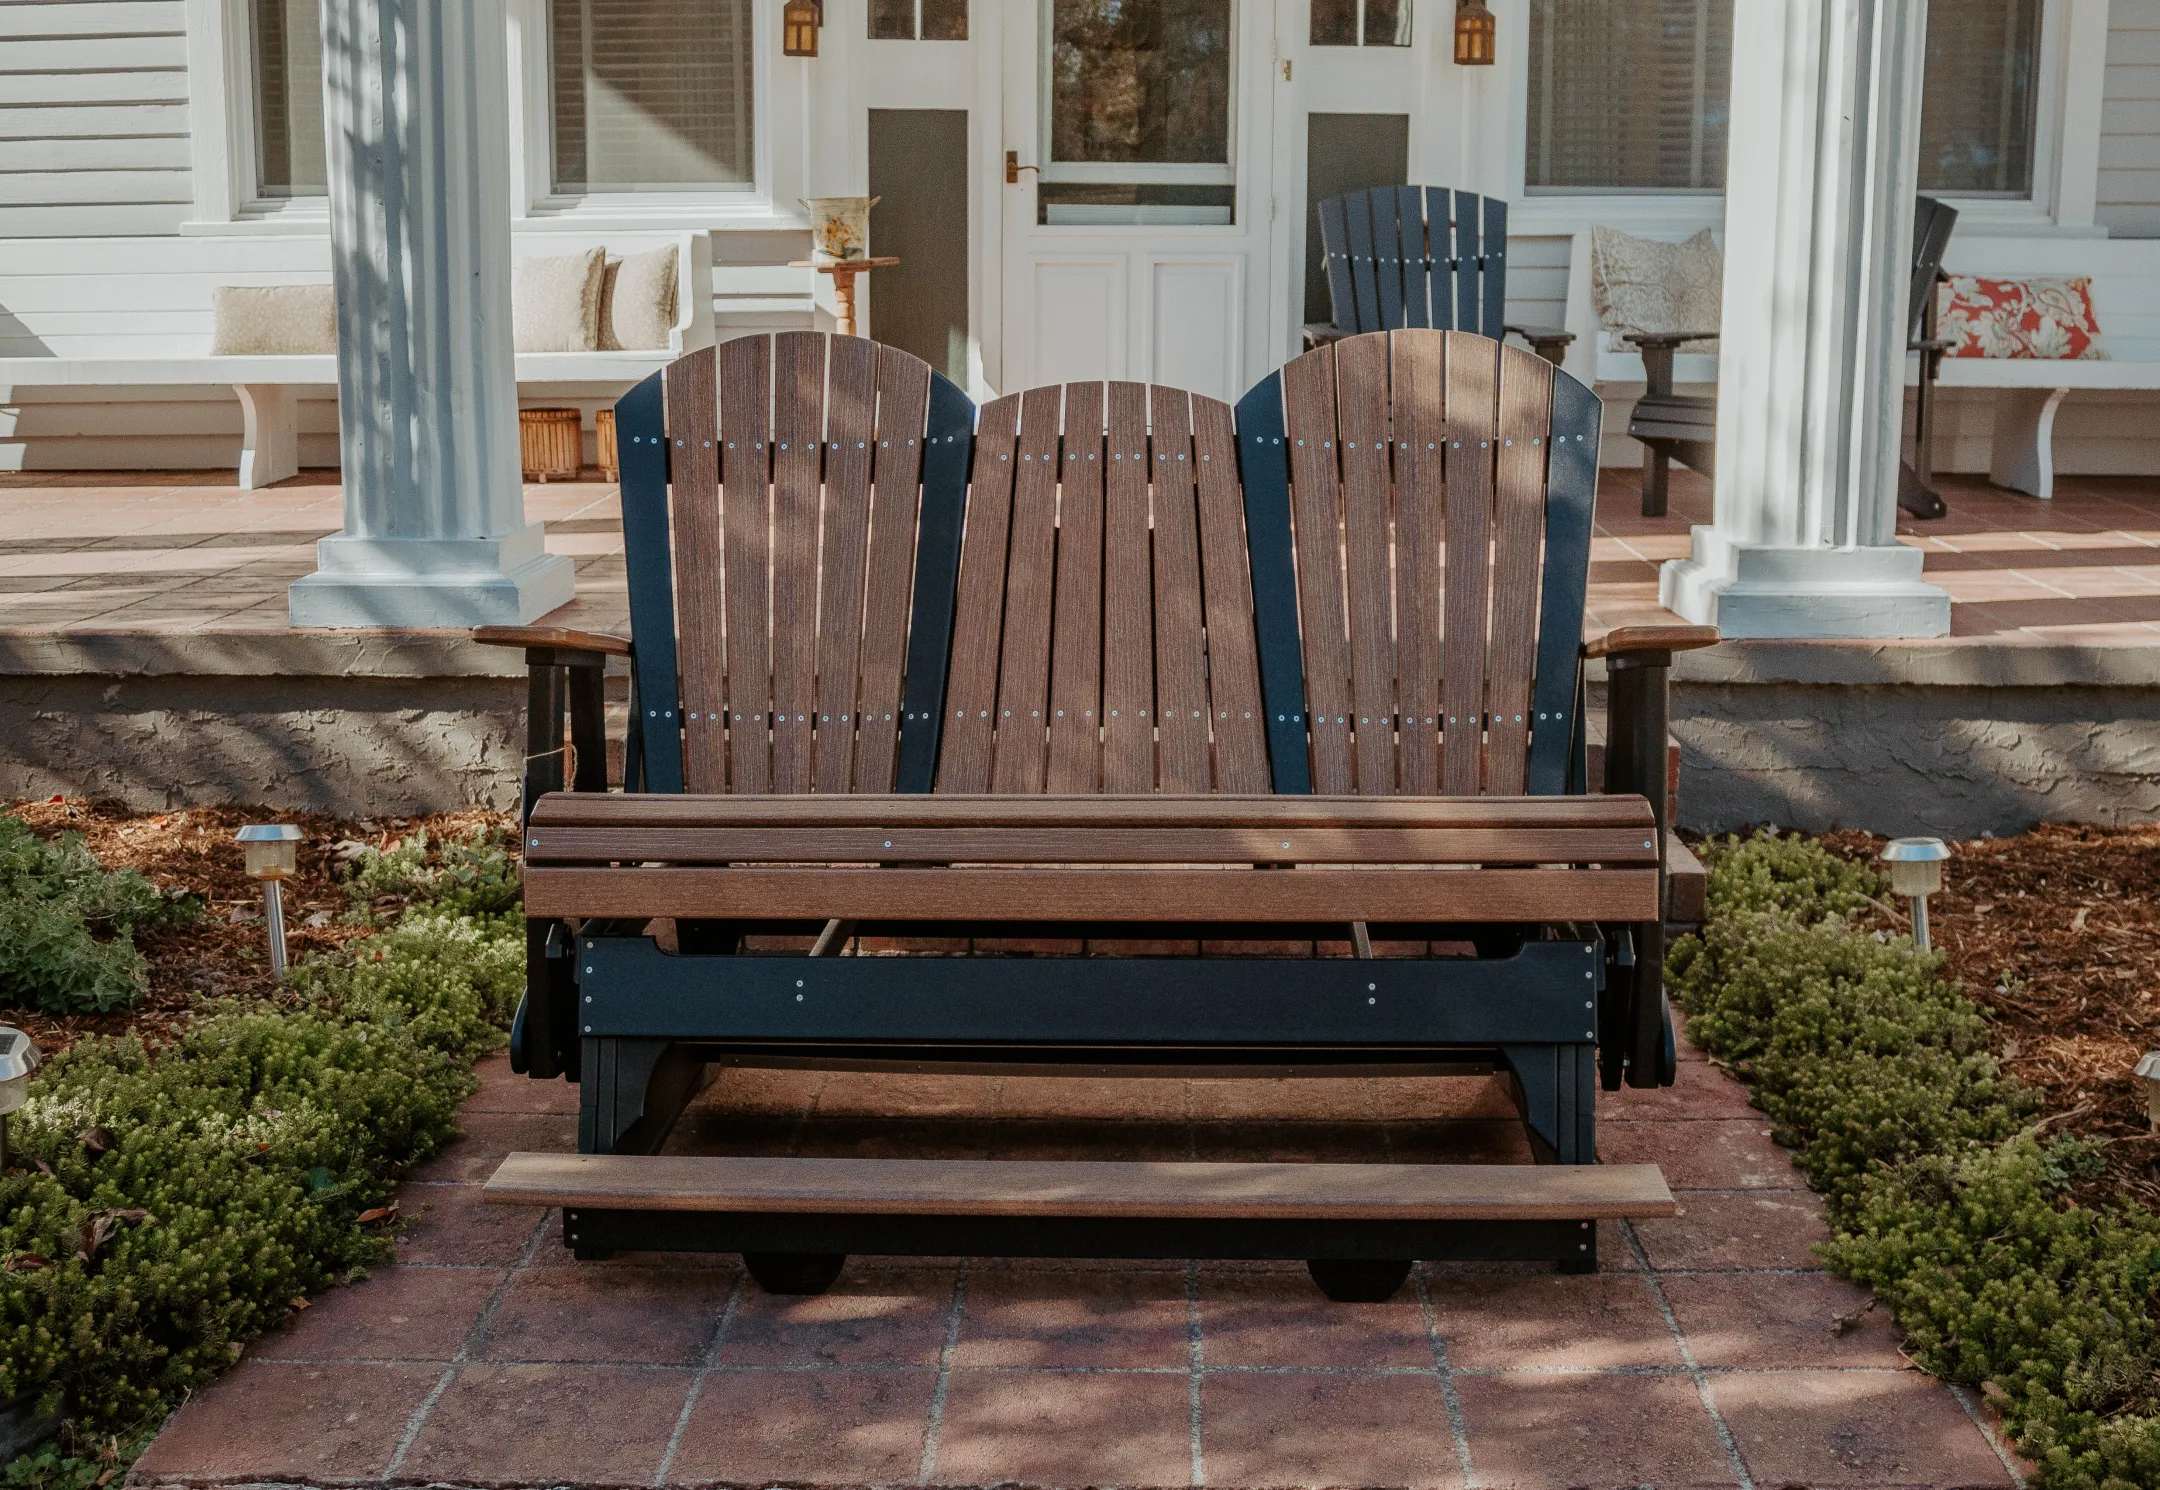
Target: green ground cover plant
[
  {"x": 162, "y": 1208},
  {"x": 67, "y": 925},
  {"x": 1946, "y": 1194}
]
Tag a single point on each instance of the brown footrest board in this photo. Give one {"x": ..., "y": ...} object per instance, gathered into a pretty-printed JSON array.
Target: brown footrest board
[{"x": 1002, "y": 1187}]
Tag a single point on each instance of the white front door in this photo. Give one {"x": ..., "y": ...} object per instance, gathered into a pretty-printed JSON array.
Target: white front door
[{"x": 1137, "y": 235}]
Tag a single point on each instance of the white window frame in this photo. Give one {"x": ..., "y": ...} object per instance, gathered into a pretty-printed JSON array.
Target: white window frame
[
  {"x": 222, "y": 144},
  {"x": 2066, "y": 146},
  {"x": 221, "y": 91}
]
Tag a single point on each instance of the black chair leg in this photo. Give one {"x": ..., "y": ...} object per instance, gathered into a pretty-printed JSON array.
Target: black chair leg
[{"x": 1656, "y": 466}]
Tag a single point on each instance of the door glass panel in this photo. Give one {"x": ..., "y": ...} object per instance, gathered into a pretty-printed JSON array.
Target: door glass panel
[
  {"x": 1349, "y": 23},
  {"x": 1334, "y": 23},
  {"x": 1137, "y": 126},
  {"x": 1140, "y": 81}
]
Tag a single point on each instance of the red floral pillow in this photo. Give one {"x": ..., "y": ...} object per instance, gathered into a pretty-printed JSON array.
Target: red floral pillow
[{"x": 2038, "y": 318}]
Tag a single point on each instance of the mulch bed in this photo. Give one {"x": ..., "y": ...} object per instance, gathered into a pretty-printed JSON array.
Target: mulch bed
[
  {"x": 224, "y": 954},
  {"x": 2057, "y": 931}
]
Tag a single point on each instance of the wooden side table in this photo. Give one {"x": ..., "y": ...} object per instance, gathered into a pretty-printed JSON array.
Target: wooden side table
[{"x": 843, "y": 274}]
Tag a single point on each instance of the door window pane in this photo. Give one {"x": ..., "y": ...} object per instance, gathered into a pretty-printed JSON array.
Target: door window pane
[
  {"x": 287, "y": 39},
  {"x": 651, "y": 94},
  {"x": 1976, "y": 110},
  {"x": 913, "y": 20},
  {"x": 1344, "y": 23},
  {"x": 1628, "y": 95},
  {"x": 1140, "y": 81}
]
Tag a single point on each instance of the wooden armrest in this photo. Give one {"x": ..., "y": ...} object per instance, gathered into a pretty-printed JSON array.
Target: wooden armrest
[
  {"x": 1320, "y": 333},
  {"x": 551, "y": 636},
  {"x": 1931, "y": 344},
  {"x": 1540, "y": 333},
  {"x": 1667, "y": 338},
  {"x": 1651, "y": 639}
]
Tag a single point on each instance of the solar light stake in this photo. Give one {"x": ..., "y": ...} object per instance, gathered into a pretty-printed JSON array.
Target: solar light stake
[
  {"x": 2148, "y": 1075},
  {"x": 1916, "y": 872},
  {"x": 273, "y": 853},
  {"x": 18, "y": 1058}
]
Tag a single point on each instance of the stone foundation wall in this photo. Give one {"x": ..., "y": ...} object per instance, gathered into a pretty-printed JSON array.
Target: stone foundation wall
[
  {"x": 354, "y": 723},
  {"x": 1949, "y": 739}
]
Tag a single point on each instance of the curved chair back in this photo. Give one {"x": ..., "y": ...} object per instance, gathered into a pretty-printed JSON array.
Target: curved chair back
[{"x": 1401, "y": 256}]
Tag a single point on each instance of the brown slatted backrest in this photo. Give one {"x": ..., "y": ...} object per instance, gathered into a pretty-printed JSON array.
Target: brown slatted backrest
[
  {"x": 794, "y": 497},
  {"x": 1103, "y": 637},
  {"x": 1417, "y": 470}
]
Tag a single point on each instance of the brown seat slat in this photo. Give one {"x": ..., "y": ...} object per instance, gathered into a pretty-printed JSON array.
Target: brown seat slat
[
  {"x": 1128, "y": 704},
  {"x": 1362, "y": 375},
  {"x": 1076, "y": 845},
  {"x": 1518, "y": 537},
  {"x": 978, "y": 622},
  {"x": 1316, "y": 523},
  {"x": 844, "y": 561},
  {"x": 746, "y": 518},
  {"x": 1019, "y": 1187},
  {"x": 569, "y": 809},
  {"x": 1420, "y": 507},
  {"x": 1181, "y": 700},
  {"x": 798, "y": 469},
  {"x": 1098, "y": 894},
  {"x": 1471, "y": 400},
  {"x": 1076, "y": 651},
  {"x": 1233, "y": 665},
  {"x": 694, "y": 425},
  {"x": 1030, "y": 580},
  {"x": 903, "y": 395}
]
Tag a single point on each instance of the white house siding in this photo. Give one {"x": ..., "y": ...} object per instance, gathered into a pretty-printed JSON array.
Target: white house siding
[
  {"x": 93, "y": 119},
  {"x": 2129, "y": 195}
]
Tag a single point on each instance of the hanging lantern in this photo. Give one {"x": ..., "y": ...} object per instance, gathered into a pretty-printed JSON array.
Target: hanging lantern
[
  {"x": 1474, "y": 30},
  {"x": 799, "y": 23}
]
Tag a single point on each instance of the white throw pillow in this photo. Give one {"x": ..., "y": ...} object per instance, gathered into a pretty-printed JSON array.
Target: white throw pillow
[
  {"x": 272, "y": 320},
  {"x": 555, "y": 303},
  {"x": 1640, "y": 284},
  {"x": 637, "y": 302}
]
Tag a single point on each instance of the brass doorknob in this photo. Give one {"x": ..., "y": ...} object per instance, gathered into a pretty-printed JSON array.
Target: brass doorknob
[{"x": 1013, "y": 168}]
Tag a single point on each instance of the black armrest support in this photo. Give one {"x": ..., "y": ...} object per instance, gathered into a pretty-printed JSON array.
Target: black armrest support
[{"x": 1638, "y": 729}]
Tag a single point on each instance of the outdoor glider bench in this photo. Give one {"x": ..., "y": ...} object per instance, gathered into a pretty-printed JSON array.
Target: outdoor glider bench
[{"x": 1098, "y": 662}]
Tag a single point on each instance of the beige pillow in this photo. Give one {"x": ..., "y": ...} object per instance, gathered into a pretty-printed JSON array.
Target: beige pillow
[
  {"x": 272, "y": 320},
  {"x": 1643, "y": 285},
  {"x": 555, "y": 303},
  {"x": 637, "y": 302}
]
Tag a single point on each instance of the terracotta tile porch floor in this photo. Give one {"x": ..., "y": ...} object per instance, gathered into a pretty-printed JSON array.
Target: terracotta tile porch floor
[
  {"x": 1709, "y": 1351},
  {"x": 176, "y": 552}
]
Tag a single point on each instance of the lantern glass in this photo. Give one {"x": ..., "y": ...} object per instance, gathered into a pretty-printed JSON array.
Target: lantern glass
[
  {"x": 272, "y": 850},
  {"x": 18, "y": 1058},
  {"x": 799, "y": 28},
  {"x": 1474, "y": 35}
]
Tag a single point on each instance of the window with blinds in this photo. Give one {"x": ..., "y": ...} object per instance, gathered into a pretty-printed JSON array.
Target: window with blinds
[
  {"x": 1629, "y": 95},
  {"x": 1976, "y": 106},
  {"x": 650, "y": 95},
  {"x": 287, "y": 42}
]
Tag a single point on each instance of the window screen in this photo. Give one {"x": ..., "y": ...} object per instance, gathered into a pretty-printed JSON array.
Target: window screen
[
  {"x": 287, "y": 37},
  {"x": 1976, "y": 109},
  {"x": 651, "y": 94},
  {"x": 918, "y": 20},
  {"x": 1628, "y": 95}
]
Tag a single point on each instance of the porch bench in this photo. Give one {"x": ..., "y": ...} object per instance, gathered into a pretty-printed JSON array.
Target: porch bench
[
  {"x": 1105, "y": 661},
  {"x": 2033, "y": 389},
  {"x": 267, "y": 385}
]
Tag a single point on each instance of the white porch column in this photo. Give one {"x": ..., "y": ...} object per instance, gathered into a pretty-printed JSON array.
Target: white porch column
[
  {"x": 1819, "y": 191},
  {"x": 416, "y": 110}
]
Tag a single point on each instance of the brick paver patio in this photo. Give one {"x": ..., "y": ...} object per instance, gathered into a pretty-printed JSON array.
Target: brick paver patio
[{"x": 1710, "y": 1350}]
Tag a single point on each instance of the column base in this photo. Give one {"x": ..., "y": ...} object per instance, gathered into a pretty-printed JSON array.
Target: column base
[
  {"x": 432, "y": 582},
  {"x": 1755, "y": 590}
]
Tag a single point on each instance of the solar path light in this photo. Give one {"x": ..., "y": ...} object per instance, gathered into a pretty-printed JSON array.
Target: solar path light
[
  {"x": 2148, "y": 1075},
  {"x": 18, "y": 1058},
  {"x": 1916, "y": 873},
  {"x": 273, "y": 854}
]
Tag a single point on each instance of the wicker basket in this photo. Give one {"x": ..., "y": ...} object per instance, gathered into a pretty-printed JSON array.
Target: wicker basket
[
  {"x": 550, "y": 444},
  {"x": 604, "y": 438}
]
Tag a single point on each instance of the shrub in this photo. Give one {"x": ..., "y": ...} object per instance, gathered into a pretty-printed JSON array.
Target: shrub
[
  {"x": 184, "y": 1201},
  {"x": 1877, "y": 1072},
  {"x": 475, "y": 874},
  {"x": 67, "y": 925}
]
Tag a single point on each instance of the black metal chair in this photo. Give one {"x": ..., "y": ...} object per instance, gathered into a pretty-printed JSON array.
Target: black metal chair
[
  {"x": 1420, "y": 256},
  {"x": 1933, "y": 222}
]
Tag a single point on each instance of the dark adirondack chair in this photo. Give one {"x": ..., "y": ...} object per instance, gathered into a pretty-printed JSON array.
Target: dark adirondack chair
[
  {"x": 1933, "y": 222},
  {"x": 1043, "y": 674},
  {"x": 1683, "y": 427},
  {"x": 1400, "y": 256}
]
